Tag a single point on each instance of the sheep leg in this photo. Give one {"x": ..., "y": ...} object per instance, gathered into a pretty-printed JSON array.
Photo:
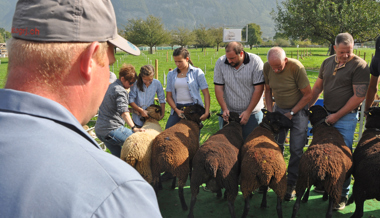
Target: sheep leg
[
  {"x": 330, "y": 208},
  {"x": 359, "y": 208},
  {"x": 182, "y": 198},
  {"x": 173, "y": 182},
  {"x": 297, "y": 205},
  {"x": 219, "y": 194},
  {"x": 279, "y": 207},
  {"x": 325, "y": 196},
  {"x": 264, "y": 201},
  {"x": 306, "y": 196},
  {"x": 246, "y": 207},
  {"x": 192, "y": 203},
  {"x": 231, "y": 207}
]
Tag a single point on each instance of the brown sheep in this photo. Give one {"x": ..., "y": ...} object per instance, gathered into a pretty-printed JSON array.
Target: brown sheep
[
  {"x": 367, "y": 163},
  {"x": 327, "y": 162},
  {"x": 262, "y": 161},
  {"x": 174, "y": 149},
  {"x": 137, "y": 148},
  {"x": 216, "y": 163}
]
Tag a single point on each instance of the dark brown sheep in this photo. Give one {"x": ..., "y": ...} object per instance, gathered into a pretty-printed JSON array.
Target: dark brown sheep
[
  {"x": 262, "y": 161},
  {"x": 327, "y": 162},
  {"x": 216, "y": 163},
  {"x": 366, "y": 167},
  {"x": 174, "y": 149}
]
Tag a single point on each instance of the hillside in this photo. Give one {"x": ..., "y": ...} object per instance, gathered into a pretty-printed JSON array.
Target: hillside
[{"x": 182, "y": 13}]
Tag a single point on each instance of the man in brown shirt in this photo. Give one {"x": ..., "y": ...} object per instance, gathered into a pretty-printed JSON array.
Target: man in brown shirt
[
  {"x": 344, "y": 79},
  {"x": 287, "y": 80}
]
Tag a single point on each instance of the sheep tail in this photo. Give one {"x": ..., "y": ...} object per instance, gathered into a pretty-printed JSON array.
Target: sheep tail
[{"x": 211, "y": 166}]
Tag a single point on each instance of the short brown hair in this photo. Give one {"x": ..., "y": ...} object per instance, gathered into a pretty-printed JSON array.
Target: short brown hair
[
  {"x": 237, "y": 47},
  {"x": 128, "y": 72}
]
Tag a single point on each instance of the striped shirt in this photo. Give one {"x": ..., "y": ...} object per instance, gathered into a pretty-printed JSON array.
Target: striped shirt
[
  {"x": 239, "y": 84},
  {"x": 146, "y": 98}
]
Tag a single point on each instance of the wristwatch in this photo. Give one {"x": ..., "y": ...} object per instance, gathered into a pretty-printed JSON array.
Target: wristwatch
[
  {"x": 292, "y": 113},
  {"x": 133, "y": 127}
]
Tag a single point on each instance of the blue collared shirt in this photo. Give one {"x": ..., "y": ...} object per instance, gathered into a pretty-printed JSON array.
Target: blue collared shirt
[
  {"x": 195, "y": 79},
  {"x": 50, "y": 167},
  {"x": 146, "y": 98}
]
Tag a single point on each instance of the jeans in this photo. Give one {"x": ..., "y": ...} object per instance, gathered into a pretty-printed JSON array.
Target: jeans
[
  {"x": 115, "y": 139},
  {"x": 253, "y": 121},
  {"x": 174, "y": 118},
  {"x": 298, "y": 136},
  {"x": 346, "y": 126}
]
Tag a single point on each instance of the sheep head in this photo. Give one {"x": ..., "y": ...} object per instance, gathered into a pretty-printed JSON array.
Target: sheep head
[
  {"x": 316, "y": 114},
  {"x": 154, "y": 111},
  {"x": 373, "y": 117},
  {"x": 276, "y": 120},
  {"x": 194, "y": 112},
  {"x": 234, "y": 117}
]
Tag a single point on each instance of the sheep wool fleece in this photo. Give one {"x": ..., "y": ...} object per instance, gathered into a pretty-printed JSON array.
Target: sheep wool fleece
[{"x": 50, "y": 167}]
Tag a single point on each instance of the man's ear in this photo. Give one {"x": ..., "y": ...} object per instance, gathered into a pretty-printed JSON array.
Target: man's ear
[{"x": 87, "y": 61}]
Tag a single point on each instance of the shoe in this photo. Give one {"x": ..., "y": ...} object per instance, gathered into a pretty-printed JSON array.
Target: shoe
[
  {"x": 319, "y": 189},
  {"x": 342, "y": 203},
  {"x": 262, "y": 189},
  {"x": 290, "y": 193}
]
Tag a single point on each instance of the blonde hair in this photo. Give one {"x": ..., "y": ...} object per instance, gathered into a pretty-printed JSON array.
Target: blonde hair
[{"x": 51, "y": 59}]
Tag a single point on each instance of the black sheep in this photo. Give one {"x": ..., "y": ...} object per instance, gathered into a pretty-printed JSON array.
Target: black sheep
[
  {"x": 216, "y": 163},
  {"x": 366, "y": 169},
  {"x": 327, "y": 162}
]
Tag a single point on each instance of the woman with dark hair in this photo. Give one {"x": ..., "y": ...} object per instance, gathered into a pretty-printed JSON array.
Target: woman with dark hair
[
  {"x": 184, "y": 84},
  {"x": 114, "y": 113},
  {"x": 142, "y": 95},
  {"x": 374, "y": 82}
]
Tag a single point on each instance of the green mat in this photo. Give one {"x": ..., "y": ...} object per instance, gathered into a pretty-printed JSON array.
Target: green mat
[{"x": 208, "y": 205}]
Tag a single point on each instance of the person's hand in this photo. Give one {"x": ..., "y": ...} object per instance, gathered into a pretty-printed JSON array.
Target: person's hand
[
  {"x": 244, "y": 117},
  {"x": 204, "y": 116},
  {"x": 288, "y": 115},
  {"x": 138, "y": 129},
  {"x": 331, "y": 119},
  {"x": 179, "y": 112},
  {"x": 162, "y": 115},
  {"x": 226, "y": 114},
  {"x": 144, "y": 113}
]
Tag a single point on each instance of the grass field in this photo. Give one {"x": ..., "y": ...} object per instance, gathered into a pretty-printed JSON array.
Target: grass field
[{"x": 207, "y": 204}]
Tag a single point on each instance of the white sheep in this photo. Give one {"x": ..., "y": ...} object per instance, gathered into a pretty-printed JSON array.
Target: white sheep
[{"x": 137, "y": 148}]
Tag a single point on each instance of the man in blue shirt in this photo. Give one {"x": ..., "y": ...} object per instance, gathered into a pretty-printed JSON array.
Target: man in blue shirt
[{"x": 57, "y": 76}]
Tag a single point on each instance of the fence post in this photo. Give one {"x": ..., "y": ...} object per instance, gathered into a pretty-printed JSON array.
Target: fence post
[
  {"x": 364, "y": 56},
  {"x": 205, "y": 69},
  {"x": 166, "y": 56},
  {"x": 156, "y": 68},
  {"x": 298, "y": 57},
  {"x": 359, "y": 54},
  {"x": 291, "y": 54}
]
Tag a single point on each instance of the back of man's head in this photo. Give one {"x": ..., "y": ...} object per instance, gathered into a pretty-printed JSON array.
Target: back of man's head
[
  {"x": 237, "y": 47},
  {"x": 344, "y": 38}
]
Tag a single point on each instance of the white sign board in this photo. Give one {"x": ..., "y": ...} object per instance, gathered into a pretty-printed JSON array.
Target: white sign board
[{"x": 230, "y": 35}]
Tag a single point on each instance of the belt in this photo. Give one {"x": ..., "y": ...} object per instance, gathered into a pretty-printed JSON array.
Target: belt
[{"x": 333, "y": 112}]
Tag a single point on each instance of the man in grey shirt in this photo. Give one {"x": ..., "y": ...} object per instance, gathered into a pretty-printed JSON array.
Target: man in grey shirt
[
  {"x": 239, "y": 85},
  {"x": 57, "y": 76}
]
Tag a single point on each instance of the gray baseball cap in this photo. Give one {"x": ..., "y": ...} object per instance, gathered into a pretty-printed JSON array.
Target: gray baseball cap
[{"x": 68, "y": 21}]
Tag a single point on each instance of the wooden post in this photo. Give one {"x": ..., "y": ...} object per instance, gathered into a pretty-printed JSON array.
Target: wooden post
[
  {"x": 167, "y": 56},
  {"x": 291, "y": 54},
  {"x": 156, "y": 69},
  {"x": 359, "y": 54},
  {"x": 298, "y": 57},
  {"x": 364, "y": 56}
]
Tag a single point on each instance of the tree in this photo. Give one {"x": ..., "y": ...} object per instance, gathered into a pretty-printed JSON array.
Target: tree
[
  {"x": 4, "y": 35},
  {"x": 182, "y": 37},
  {"x": 254, "y": 35},
  {"x": 322, "y": 20},
  {"x": 217, "y": 36},
  {"x": 202, "y": 36},
  {"x": 150, "y": 32}
]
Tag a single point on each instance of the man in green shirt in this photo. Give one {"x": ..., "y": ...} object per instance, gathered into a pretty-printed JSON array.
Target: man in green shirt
[{"x": 286, "y": 80}]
